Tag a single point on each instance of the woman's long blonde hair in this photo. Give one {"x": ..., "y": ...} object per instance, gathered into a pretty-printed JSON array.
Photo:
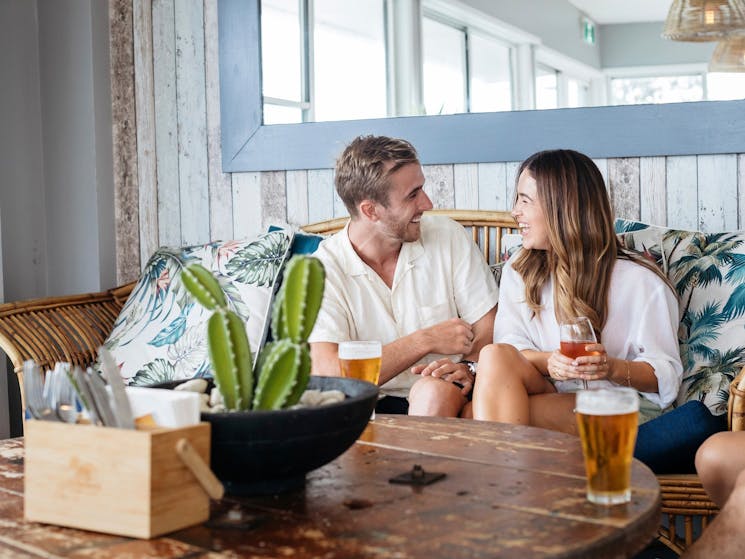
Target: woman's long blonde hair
[{"x": 583, "y": 243}]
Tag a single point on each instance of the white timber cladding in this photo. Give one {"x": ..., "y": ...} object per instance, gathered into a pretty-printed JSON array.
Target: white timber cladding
[
  {"x": 166, "y": 122},
  {"x": 466, "y": 185},
  {"x": 145, "y": 114},
  {"x": 245, "y": 205},
  {"x": 320, "y": 196},
  {"x": 717, "y": 188},
  {"x": 185, "y": 198},
  {"x": 653, "y": 206},
  {"x": 192, "y": 121},
  {"x": 220, "y": 201},
  {"x": 682, "y": 191}
]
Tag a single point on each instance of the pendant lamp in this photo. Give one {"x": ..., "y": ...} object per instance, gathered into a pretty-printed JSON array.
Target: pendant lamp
[
  {"x": 704, "y": 20},
  {"x": 729, "y": 56}
]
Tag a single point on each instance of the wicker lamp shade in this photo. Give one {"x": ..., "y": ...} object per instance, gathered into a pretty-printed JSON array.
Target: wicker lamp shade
[
  {"x": 729, "y": 56},
  {"x": 704, "y": 20}
]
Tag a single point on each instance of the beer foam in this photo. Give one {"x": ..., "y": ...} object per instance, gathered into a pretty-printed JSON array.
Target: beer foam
[
  {"x": 360, "y": 350},
  {"x": 607, "y": 401}
]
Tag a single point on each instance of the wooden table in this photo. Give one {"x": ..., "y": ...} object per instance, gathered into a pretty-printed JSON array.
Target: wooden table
[{"x": 509, "y": 492}]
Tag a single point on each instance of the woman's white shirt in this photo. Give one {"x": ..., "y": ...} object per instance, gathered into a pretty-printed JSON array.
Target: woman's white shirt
[{"x": 642, "y": 325}]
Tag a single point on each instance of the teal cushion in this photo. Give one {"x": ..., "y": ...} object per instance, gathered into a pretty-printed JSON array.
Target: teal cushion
[
  {"x": 160, "y": 334},
  {"x": 302, "y": 243}
]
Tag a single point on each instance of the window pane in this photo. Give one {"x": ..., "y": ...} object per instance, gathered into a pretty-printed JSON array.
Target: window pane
[
  {"x": 279, "y": 114},
  {"x": 661, "y": 89},
  {"x": 444, "y": 68},
  {"x": 491, "y": 78},
  {"x": 577, "y": 93},
  {"x": 280, "y": 49},
  {"x": 725, "y": 87},
  {"x": 349, "y": 65},
  {"x": 546, "y": 92}
]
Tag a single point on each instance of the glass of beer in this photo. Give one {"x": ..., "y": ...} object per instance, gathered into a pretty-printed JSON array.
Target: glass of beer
[
  {"x": 361, "y": 360},
  {"x": 607, "y": 419},
  {"x": 574, "y": 335}
]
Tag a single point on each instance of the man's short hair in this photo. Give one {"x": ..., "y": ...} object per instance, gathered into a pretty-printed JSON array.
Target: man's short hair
[{"x": 363, "y": 169}]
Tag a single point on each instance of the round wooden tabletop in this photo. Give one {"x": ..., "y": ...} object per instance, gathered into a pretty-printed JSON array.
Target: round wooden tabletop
[{"x": 508, "y": 491}]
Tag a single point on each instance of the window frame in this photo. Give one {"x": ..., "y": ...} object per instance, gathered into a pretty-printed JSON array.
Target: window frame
[{"x": 699, "y": 128}]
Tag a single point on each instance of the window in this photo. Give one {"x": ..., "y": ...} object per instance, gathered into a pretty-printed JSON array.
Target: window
[
  {"x": 491, "y": 74},
  {"x": 322, "y": 61},
  {"x": 281, "y": 57},
  {"x": 465, "y": 70},
  {"x": 445, "y": 74},
  {"x": 657, "y": 89},
  {"x": 546, "y": 87},
  {"x": 725, "y": 87},
  {"x": 349, "y": 60},
  {"x": 578, "y": 93}
]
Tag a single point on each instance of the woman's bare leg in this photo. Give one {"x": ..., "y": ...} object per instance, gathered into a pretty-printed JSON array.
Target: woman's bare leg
[
  {"x": 554, "y": 411},
  {"x": 719, "y": 461},
  {"x": 504, "y": 382}
]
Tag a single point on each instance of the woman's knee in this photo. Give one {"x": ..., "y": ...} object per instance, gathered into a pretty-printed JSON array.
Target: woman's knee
[
  {"x": 712, "y": 455},
  {"x": 494, "y": 353},
  {"x": 498, "y": 359}
]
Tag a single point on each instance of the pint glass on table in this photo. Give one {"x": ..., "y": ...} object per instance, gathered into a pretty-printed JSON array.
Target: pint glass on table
[
  {"x": 607, "y": 419},
  {"x": 361, "y": 360}
]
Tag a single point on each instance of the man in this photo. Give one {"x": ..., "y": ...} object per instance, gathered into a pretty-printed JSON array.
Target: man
[{"x": 418, "y": 284}]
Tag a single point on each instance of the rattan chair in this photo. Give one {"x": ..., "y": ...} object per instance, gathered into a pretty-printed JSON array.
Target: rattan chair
[{"x": 72, "y": 328}]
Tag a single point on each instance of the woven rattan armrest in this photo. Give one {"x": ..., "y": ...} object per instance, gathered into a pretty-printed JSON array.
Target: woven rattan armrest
[{"x": 53, "y": 329}]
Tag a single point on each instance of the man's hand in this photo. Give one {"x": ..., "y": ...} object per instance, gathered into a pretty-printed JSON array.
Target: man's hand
[
  {"x": 452, "y": 336},
  {"x": 448, "y": 370}
]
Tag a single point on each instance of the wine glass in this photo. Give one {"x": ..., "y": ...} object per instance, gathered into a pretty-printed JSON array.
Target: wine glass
[
  {"x": 574, "y": 335},
  {"x": 361, "y": 360}
]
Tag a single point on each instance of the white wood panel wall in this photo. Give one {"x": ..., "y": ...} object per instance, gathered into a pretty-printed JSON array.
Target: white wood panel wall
[{"x": 185, "y": 198}]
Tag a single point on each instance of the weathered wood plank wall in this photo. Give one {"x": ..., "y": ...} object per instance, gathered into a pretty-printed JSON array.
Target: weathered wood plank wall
[{"x": 185, "y": 198}]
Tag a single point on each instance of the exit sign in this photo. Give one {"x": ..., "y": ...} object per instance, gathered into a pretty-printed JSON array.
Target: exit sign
[{"x": 588, "y": 31}]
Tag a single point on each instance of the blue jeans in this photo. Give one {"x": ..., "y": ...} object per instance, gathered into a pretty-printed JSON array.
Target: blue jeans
[{"x": 668, "y": 443}]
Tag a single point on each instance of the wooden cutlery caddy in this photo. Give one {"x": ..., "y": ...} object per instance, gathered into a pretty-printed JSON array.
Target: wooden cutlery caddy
[{"x": 118, "y": 481}]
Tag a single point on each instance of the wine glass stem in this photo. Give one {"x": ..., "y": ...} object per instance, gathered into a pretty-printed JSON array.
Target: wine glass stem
[{"x": 584, "y": 384}]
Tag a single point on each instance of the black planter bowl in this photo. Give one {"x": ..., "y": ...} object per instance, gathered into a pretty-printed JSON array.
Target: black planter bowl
[{"x": 268, "y": 452}]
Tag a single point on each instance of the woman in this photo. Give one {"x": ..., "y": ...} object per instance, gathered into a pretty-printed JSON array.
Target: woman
[
  {"x": 719, "y": 461},
  {"x": 572, "y": 264}
]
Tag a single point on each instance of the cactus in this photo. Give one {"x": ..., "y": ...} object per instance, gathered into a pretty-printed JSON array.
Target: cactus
[
  {"x": 283, "y": 366},
  {"x": 227, "y": 342}
]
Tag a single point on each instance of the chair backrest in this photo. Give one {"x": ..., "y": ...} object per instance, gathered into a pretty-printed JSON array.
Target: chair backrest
[
  {"x": 52, "y": 329},
  {"x": 487, "y": 227}
]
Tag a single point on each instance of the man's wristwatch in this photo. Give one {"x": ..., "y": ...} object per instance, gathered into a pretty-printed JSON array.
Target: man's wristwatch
[{"x": 471, "y": 366}]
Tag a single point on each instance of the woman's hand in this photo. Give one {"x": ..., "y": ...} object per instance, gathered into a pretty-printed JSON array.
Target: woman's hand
[
  {"x": 585, "y": 367},
  {"x": 445, "y": 369}
]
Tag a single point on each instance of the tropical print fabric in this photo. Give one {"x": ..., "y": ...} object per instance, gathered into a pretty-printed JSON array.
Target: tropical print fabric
[
  {"x": 160, "y": 334},
  {"x": 644, "y": 239},
  {"x": 708, "y": 271}
]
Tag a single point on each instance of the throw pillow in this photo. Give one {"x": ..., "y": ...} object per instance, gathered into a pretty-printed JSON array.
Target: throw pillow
[
  {"x": 302, "y": 243},
  {"x": 708, "y": 271},
  {"x": 644, "y": 239},
  {"x": 160, "y": 334}
]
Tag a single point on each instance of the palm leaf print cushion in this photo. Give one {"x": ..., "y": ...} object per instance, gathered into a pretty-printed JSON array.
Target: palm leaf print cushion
[
  {"x": 160, "y": 334},
  {"x": 708, "y": 271}
]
